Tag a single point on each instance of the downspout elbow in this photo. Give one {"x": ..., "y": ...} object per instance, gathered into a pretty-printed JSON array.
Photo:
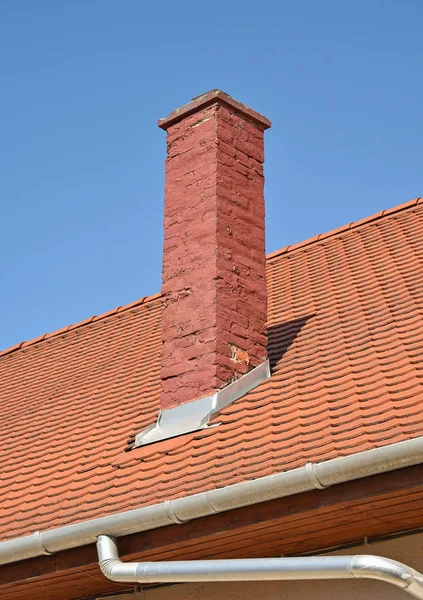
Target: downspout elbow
[
  {"x": 110, "y": 564},
  {"x": 384, "y": 569}
]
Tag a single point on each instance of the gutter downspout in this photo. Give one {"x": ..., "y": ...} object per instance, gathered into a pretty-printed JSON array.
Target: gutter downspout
[
  {"x": 312, "y": 476},
  {"x": 360, "y": 566}
]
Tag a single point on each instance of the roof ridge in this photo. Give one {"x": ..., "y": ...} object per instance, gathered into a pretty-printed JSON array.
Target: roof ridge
[
  {"x": 352, "y": 225},
  {"x": 270, "y": 256},
  {"x": 57, "y": 332}
]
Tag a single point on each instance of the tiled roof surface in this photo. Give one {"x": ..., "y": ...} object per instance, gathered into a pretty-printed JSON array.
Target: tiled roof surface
[{"x": 346, "y": 345}]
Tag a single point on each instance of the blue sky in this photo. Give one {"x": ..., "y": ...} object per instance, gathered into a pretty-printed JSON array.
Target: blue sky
[{"x": 83, "y": 83}]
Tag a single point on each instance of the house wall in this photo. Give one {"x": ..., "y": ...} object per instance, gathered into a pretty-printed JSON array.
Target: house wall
[{"x": 406, "y": 549}]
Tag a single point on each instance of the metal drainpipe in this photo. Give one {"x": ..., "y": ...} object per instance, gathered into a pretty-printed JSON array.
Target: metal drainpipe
[{"x": 258, "y": 569}]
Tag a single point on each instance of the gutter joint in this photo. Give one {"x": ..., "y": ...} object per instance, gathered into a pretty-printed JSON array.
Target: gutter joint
[
  {"x": 38, "y": 540},
  {"x": 313, "y": 477}
]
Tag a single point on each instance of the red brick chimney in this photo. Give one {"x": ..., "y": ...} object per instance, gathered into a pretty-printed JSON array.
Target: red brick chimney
[{"x": 214, "y": 286}]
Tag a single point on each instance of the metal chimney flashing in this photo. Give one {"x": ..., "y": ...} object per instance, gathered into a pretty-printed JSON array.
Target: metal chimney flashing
[{"x": 196, "y": 415}]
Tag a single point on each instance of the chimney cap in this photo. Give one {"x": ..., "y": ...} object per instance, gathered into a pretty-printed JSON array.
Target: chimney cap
[{"x": 212, "y": 97}]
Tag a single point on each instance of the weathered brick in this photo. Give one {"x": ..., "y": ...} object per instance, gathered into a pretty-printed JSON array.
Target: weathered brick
[{"x": 214, "y": 292}]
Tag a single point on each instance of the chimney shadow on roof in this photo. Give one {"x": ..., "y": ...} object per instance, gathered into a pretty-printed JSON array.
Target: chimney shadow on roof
[{"x": 282, "y": 336}]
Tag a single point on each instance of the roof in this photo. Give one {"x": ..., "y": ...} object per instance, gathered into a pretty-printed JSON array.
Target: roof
[{"x": 345, "y": 343}]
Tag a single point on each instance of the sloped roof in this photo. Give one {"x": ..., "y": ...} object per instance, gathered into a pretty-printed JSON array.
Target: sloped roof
[{"x": 346, "y": 346}]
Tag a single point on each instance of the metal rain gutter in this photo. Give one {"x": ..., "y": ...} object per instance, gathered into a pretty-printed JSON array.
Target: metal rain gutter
[
  {"x": 312, "y": 476},
  {"x": 360, "y": 566}
]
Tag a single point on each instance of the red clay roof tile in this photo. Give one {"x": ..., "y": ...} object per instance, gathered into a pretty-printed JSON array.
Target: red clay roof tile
[{"x": 346, "y": 347}]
